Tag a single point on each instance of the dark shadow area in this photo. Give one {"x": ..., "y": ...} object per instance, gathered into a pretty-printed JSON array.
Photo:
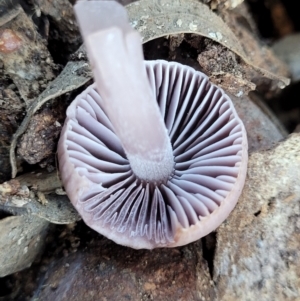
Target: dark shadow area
[{"x": 209, "y": 244}]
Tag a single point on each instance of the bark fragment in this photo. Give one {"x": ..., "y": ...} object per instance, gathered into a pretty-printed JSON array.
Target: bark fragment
[{"x": 39, "y": 141}]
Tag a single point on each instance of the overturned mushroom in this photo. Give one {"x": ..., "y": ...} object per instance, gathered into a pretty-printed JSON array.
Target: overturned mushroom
[{"x": 148, "y": 174}]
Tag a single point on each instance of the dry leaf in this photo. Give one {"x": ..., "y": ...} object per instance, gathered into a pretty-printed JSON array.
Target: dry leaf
[
  {"x": 158, "y": 18},
  {"x": 34, "y": 194}
]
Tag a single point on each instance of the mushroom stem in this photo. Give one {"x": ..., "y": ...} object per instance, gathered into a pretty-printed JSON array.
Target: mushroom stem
[{"x": 116, "y": 56}]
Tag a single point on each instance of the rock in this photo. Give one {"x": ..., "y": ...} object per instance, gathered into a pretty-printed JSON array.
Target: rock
[
  {"x": 258, "y": 247},
  {"x": 106, "y": 271},
  {"x": 21, "y": 239},
  {"x": 263, "y": 128}
]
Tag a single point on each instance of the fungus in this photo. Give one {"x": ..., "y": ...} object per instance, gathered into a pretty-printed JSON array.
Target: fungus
[{"x": 152, "y": 154}]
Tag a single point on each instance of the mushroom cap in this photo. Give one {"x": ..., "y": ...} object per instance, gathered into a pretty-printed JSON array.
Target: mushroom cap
[{"x": 210, "y": 162}]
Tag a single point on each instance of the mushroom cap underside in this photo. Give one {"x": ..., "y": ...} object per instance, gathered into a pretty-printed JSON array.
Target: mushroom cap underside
[{"x": 210, "y": 161}]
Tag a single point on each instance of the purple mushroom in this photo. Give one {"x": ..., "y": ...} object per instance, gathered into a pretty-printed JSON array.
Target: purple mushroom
[{"x": 152, "y": 154}]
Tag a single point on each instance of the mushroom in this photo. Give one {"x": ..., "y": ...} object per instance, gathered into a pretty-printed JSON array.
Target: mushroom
[{"x": 152, "y": 154}]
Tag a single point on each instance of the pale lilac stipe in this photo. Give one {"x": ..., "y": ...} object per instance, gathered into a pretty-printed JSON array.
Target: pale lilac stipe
[
  {"x": 210, "y": 154},
  {"x": 116, "y": 56}
]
